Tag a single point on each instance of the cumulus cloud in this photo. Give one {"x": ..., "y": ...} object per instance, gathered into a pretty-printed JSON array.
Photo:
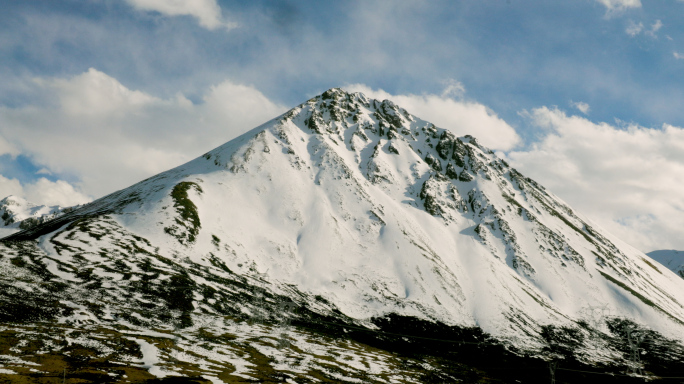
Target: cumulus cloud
[
  {"x": 94, "y": 93},
  {"x": 628, "y": 179},
  {"x": 44, "y": 192},
  {"x": 459, "y": 116},
  {"x": 111, "y": 136},
  {"x": 207, "y": 12}
]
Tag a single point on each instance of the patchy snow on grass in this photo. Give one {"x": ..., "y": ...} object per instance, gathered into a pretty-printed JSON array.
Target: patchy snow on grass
[{"x": 150, "y": 359}]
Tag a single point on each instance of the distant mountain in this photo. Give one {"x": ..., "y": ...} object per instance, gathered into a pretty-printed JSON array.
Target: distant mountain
[
  {"x": 345, "y": 240},
  {"x": 17, "y": 214},
  {"x": 674, "y": 260}
]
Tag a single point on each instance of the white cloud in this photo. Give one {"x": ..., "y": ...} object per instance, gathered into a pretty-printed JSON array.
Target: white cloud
[
  {"x": 656, "y": 26},
  {"x": 94, "y": 93},
  {"x": 678, "y": 55},
  {"x": 7, "y": 148},
  {"x": 581, "y": 106},
  {"x": 43, "y": 192},
  {"x": 460, "y": 117},
  {"x": 633, "y": 28},
  {"x": 616, "y": 6},
  {"x": 654, "y": 29},
  {"x": 43, "y": 171},
  {"x": 207, "y": 12},
  {"x": 453, "y": 88},
  {"x": 111, "y": 137},
  {"x": 627, "y": 179},
  {"x": 10, "y": 187}
]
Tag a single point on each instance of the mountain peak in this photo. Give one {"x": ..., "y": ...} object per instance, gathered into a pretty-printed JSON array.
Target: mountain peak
[
  {"x": 18, "y": 213},
  {"x": 13, "y": 200},
  {"x": 360, "y": 122},
  {"x": 334, "y": 93}
]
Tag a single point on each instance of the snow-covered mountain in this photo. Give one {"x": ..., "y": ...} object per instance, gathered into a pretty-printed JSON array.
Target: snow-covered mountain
[
  {"x": 673, "y": 260},
  {"x": 353, "y": 212},
  {"x": 16, "y": 214}
]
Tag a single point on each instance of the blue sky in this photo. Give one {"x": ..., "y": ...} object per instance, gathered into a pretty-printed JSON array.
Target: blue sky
[
  {"x": 509, "y": 55},
  {"x": 583, "y": 95}
]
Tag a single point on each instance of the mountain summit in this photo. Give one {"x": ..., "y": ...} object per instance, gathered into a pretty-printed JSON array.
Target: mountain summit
[{"x": 353, "y": 212}]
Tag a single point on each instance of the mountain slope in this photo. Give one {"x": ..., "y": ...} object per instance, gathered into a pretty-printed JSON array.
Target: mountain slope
[{"x": 356, "y": 211}]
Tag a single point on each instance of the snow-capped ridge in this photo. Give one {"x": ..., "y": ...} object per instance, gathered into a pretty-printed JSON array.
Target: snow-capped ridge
[{"x": 16, "y": 213}]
